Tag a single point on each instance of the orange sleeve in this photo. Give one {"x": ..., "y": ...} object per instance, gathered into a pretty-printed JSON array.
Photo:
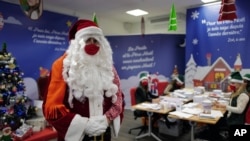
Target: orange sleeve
[{"x": 56, "y": 92}]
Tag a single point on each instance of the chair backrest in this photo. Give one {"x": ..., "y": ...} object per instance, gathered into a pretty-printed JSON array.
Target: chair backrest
[
  {"x": 137, "y": 113},
  {"x": 132, "y": 96},
  {"x": 161, "y": 87}
]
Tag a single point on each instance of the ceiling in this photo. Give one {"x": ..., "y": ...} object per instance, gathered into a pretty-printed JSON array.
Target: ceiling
[{"x": 116, "y": 9}]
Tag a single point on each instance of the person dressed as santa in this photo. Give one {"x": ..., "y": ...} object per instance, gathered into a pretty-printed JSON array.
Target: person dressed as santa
[{"x": 84, "y": 100}]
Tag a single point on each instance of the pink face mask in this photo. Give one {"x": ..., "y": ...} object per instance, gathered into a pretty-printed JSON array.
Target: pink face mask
[
  {"x": 232, "y": 87},
  {"x": 144, "y": 83},
  {"x": 91, "y": 49}
]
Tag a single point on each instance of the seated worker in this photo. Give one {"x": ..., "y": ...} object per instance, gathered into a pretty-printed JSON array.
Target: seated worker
[
  {"x": 142, "y": 94},
  {"x": 236, "y": 109},
  {"x": 246, "y": 79},
  {"x": 176, "y": 83},
  {"x": 238, "y": 100}
]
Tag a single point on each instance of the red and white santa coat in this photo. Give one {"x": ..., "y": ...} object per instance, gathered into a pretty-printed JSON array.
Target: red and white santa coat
[{"x": 70, "y": 122}]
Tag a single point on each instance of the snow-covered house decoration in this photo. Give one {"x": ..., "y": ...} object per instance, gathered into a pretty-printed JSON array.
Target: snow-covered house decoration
[{"x": 212, "y": 77}]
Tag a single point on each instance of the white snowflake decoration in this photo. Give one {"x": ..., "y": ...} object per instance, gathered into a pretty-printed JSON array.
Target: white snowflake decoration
[
  {"x": 195, "y": 15},
  {"x": 195, "y": 41}
]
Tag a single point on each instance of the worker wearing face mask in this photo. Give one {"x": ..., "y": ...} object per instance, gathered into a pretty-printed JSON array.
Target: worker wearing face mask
[
  {"x": 236, "y": 108},
  {"x": 142, "y": 94},
  {"x": 238, "y": 101}
]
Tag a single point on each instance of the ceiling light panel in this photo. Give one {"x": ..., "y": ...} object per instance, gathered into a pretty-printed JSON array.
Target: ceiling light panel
[{"x": 137, "y": 12}]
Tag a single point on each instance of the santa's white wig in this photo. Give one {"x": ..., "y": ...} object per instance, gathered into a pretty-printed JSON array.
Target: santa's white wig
[{"x": 89, "y": 75}]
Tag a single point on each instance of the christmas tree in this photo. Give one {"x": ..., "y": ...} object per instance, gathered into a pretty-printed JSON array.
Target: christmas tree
[
  {"x": 172, "y": 19},
  {"x": 15, "y": 107}
]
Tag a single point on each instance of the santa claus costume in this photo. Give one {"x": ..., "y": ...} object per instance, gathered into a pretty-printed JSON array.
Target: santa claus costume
[{"x": 84, "y": 98}]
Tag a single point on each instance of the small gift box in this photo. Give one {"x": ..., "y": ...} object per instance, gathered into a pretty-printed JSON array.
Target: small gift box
[{"x": 22, "y": 132}]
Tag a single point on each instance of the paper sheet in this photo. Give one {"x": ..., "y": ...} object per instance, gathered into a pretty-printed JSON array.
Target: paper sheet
[
  {"x": 181, "y": 114},
  {"x": 194, "y": 111},
  {"x": 153, "y": 106}
]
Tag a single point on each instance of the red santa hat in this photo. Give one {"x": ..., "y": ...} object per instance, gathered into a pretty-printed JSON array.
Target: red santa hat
[{"x": 83, "y": 27}]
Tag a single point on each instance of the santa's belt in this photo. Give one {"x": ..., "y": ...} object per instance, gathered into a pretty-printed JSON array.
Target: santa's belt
[{"x": 99, "y": 138}]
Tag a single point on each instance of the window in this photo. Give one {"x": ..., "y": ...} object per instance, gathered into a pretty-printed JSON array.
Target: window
[{"x": 218, "y": 76}]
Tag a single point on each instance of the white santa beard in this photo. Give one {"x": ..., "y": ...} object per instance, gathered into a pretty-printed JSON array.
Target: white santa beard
[{"x": 88, "y": 76}]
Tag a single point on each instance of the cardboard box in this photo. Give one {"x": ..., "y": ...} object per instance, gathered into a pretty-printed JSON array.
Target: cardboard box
[{"x": 38, "y": 123}]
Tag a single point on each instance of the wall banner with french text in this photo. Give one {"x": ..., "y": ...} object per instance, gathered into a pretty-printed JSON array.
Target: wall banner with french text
[{"x": 209, "y": 40}]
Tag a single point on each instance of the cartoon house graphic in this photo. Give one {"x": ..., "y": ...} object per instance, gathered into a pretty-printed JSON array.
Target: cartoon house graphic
[{"x": 213, "y": 77}]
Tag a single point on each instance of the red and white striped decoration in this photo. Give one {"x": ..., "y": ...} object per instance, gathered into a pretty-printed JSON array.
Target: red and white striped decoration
[{"x": 228, "y": 10}]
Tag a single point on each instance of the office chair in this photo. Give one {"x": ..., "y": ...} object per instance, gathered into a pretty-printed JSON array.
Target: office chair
[{"x": 144, "y": 127}]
